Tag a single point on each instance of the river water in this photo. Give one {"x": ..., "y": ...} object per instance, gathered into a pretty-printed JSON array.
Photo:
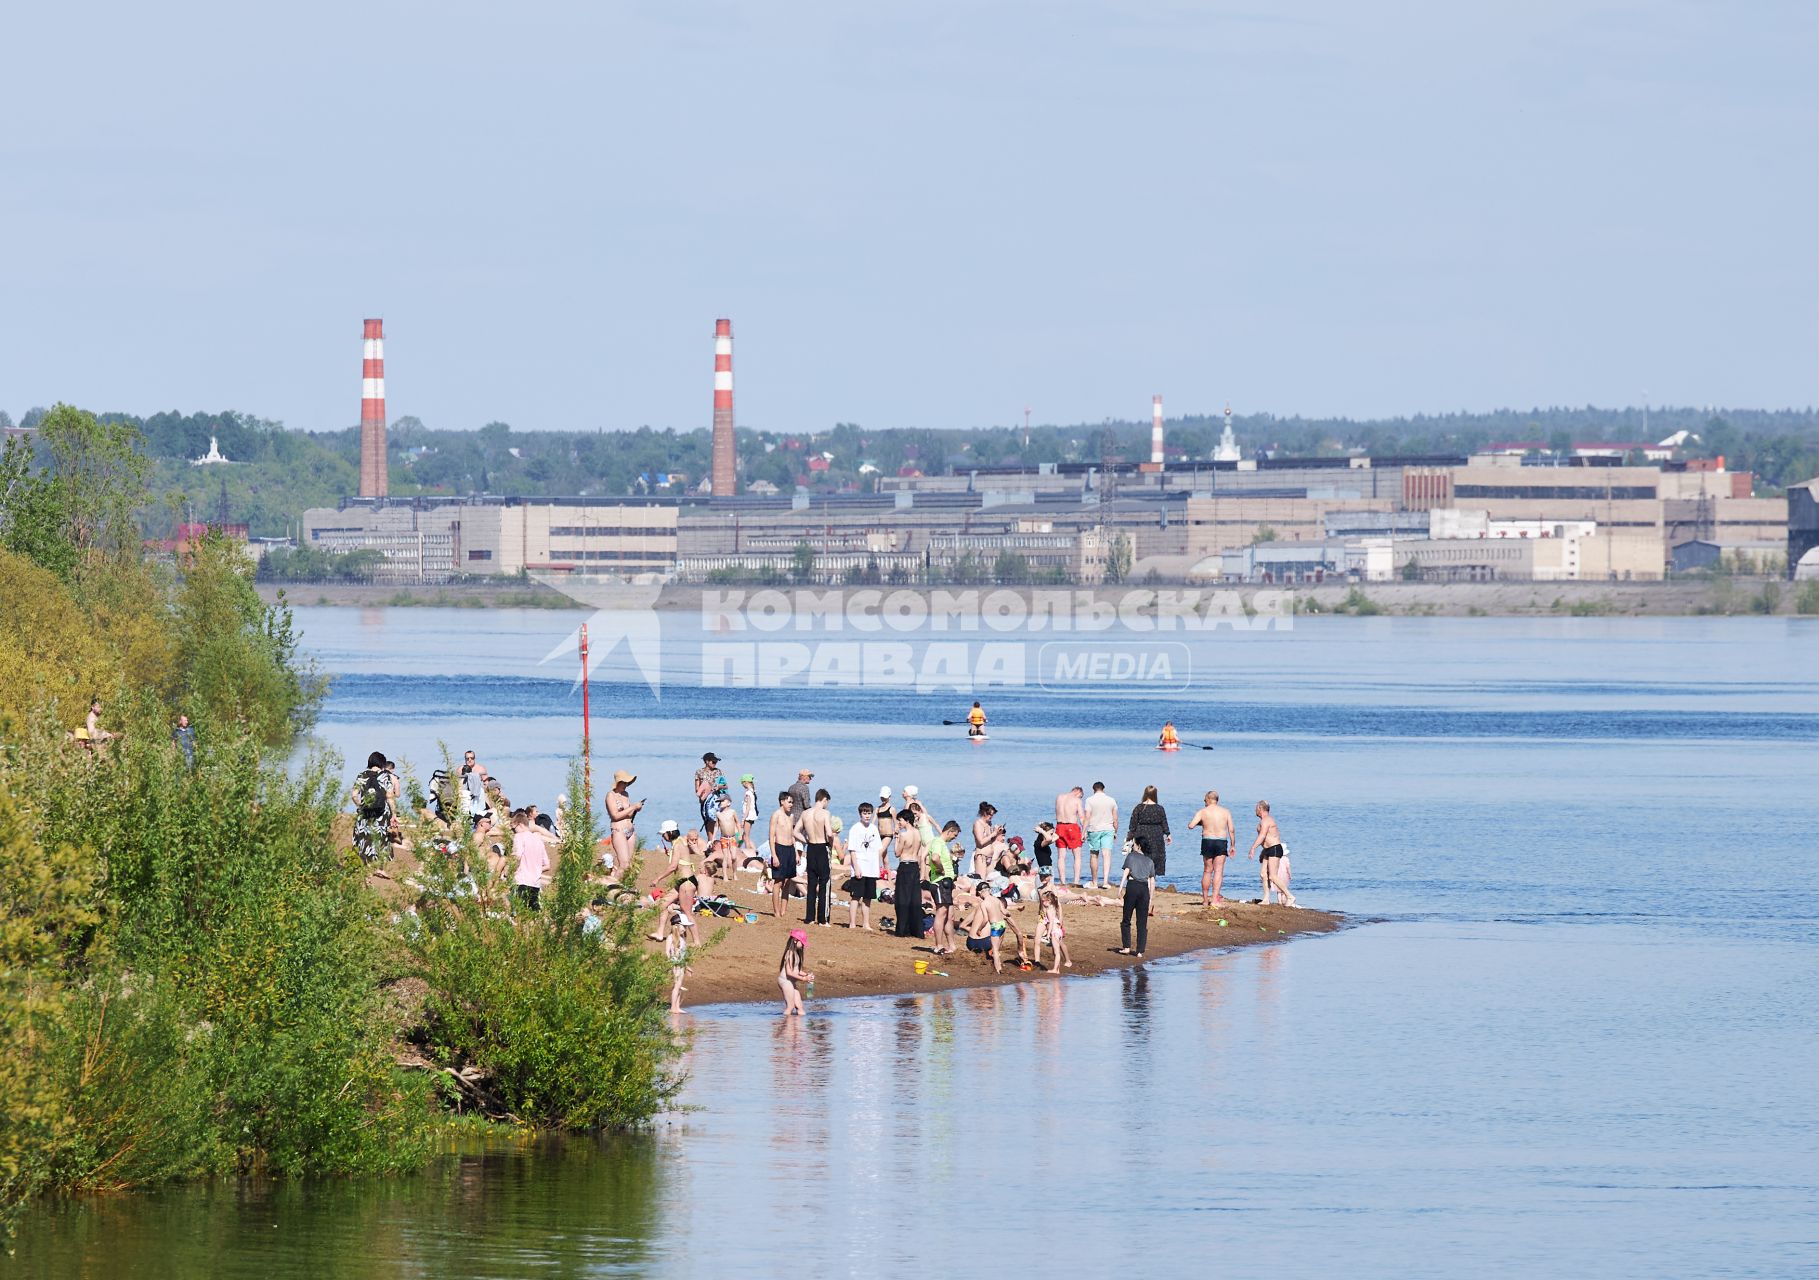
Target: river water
[{"x": 1571, "y": 1027}]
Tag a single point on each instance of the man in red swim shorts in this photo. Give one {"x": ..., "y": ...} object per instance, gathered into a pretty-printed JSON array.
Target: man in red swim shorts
[{"x": 1070, "y": 812}]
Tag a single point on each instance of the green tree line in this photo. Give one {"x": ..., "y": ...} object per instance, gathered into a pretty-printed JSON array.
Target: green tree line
[{"x": 278, "y": 473}]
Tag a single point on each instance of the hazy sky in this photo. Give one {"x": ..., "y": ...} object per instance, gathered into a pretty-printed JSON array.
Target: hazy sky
[{"x": 929, "y": 213}]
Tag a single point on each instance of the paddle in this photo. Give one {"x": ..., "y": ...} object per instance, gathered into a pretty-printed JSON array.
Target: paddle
[{"x": 1196, "y": 744}]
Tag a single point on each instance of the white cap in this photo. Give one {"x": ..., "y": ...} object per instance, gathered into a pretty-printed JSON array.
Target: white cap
[
  {"x": 884, "y": 793},
  {"x": 910, "y": 792},
  {"x": 669, "y": 827},
  {"x": 561, "y": 799}
]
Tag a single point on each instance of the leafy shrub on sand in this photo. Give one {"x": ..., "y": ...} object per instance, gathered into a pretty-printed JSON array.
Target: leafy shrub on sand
[
  {"x": 559, "y": 1017},
  {"x": 1806, "y": 600},
  {"x": 192, "y": 991},
  {"x": 1358, "y": 604}
]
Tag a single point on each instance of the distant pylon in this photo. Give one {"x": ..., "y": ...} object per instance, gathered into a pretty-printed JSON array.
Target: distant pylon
[
  {"x": 373, "y": 477},
  {"x": 724, "y": 477}
]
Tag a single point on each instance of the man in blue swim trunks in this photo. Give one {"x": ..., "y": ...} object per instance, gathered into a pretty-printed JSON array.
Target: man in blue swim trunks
[{"x": 1101, "y": 836}]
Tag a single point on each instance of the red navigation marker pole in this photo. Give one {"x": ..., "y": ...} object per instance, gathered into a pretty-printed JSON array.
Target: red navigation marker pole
[{"x": 587, "y": 752}]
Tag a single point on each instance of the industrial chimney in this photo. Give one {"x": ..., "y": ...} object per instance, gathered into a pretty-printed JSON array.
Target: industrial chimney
[
  {"x": 1156, "y": 431},
  {"x": 373, "y": 479},
  {"x": 724, "y": 478}
]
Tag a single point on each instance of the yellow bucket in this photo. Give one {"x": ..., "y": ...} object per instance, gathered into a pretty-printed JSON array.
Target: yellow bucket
[{"x": 921, "y": 966}]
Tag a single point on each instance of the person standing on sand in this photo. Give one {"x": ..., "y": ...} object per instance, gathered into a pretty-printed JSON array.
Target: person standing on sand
[
  {"x": 1045, "y": 849},
  {"x": 815, "y": 834},
  {"x": 533, "y": 861},
  {"x": 1149, "y": 828},
  {"x": 988, "y": 838},
  {"x": 941, "y": 881},
  {"x": 1101, "y": 835},
  {"x": 1217, "y": 836},
  {"x": 792, "y": 976},
  {"x": 906, "y": 895},
  {"x": 1070, "y": 812},
  {"x": 799, "y": 789},
  {"x": 710, "y": 790},
  {"x": 1273, "y": 857},
  {"x": 783, "y": 851},
  {"x": 866, "y": 849},
  {"x": 748, "y": 808},
  {"x": 621, "y": 812},
  {"x": 1139, "y": 872}
]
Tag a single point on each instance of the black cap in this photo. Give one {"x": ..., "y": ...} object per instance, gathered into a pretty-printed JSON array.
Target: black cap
[{"x": 708, "y": 757}]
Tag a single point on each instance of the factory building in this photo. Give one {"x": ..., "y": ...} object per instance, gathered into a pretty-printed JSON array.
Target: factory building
[{"x": 437, "y": 539}]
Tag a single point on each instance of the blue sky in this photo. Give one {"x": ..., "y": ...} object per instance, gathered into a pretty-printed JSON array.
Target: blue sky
[{"x": 916, "y": 214}]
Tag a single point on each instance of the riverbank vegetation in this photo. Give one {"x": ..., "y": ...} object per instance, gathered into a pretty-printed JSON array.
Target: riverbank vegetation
[{"x": 196, "y": 975}]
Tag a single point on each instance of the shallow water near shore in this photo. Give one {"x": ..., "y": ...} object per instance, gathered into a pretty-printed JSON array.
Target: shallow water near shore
[{"x": 1571, "y": 1026}]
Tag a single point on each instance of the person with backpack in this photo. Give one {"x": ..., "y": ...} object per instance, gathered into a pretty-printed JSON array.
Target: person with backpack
[{"x": 372, "y": 810}]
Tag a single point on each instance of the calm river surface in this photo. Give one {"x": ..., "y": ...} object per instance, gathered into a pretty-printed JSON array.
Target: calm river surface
[{"x": 1574, "y": 1026}]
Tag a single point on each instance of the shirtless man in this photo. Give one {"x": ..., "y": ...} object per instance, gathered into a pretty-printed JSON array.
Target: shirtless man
[
  {"x": 621, "y": 810},
  {"x": 1269, "y": 841},
  {"x": 988, "y": 839},
  {"x": 1070, "y": 813},
  {"x": 906, "y": 894},
  {"x": 815, "y": 833},
  {"x": 1217, "y": 836},
  {"x": 783, "y": 851}
]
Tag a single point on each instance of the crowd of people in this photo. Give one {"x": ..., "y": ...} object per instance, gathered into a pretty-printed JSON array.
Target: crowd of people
[{"x": 928, "y": 878}]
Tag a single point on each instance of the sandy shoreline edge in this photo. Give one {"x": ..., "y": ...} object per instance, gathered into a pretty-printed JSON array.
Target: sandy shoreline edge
[{"x": 742, "y": 967}]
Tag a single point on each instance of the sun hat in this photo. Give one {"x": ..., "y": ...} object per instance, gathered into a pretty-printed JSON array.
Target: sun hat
[
  {"x": 670, "y": 828},
  {"x": 620, "y": 775},
  {"x": 799, "y": 935},
  {"x": 746, "y": 777}
]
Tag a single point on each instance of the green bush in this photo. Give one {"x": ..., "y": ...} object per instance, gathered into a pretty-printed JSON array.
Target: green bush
[
  {"x": 1806, "y": 600},
  {"x": 563, "y": 1012},
  {"x": 221, "y": 1012}
]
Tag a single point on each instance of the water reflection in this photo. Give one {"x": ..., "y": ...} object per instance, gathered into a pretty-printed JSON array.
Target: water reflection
[{"x": 487, "y": 1212}]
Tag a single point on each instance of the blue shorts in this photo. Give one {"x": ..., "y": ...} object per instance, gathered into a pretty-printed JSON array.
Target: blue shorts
[{"x": 1100, "y": 841}]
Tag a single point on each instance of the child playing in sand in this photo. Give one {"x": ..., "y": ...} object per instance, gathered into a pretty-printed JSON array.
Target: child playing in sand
[{"x": 791, "y": 976}]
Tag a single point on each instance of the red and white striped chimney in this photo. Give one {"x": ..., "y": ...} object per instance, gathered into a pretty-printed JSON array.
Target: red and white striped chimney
[
  {"x": 1156, "y": 431},
  {"x": 373, "y": 475},
  {"x": 724, "y": 477}
]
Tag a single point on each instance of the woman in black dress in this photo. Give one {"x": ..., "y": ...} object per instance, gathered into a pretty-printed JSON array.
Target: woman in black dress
[{"x": 1149, "y": 828}]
